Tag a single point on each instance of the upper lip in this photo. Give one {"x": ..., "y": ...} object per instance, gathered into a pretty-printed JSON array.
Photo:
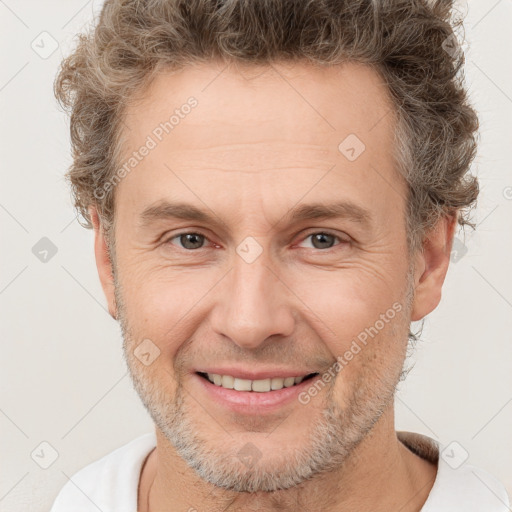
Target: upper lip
[{"x": 240, "y": 373}]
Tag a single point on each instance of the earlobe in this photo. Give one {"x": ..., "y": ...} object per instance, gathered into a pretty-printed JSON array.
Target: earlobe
[
  {"x": 432, "y": 266},
  {"x": 103, "y": 262}
]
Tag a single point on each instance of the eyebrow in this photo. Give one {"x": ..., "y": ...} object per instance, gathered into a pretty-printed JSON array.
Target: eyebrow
[{"x": 165, "y": 210}]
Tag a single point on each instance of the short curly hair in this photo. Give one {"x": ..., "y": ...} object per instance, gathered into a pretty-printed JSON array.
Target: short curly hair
[{"x": 412, "y": 44}]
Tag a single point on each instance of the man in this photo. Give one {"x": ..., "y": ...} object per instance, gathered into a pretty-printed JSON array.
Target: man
[{"x": 274, "y": 188}]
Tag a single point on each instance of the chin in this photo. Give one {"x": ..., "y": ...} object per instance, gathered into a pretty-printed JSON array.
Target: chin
[{"x": 255, "y": 462}]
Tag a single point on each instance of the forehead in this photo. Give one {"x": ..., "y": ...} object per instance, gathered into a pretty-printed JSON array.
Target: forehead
[
  {"x": 263, "y": 127},
  {"x": 299, "y": 101}
]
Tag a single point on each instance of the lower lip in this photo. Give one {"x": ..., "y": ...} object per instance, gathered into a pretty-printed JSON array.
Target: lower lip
[{"x": 252, "y": 402}]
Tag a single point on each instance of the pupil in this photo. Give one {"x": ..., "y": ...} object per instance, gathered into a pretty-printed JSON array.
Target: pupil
[
  {"x": 321, "y": 237},
  {"x": 191, "y": 238},
  {"x": 320, "y": 240}
]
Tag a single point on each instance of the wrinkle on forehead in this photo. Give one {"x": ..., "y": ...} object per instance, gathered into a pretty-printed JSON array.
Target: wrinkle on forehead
[
  {"x": 266, "y": 143},
  {"x": 302, "y": 104},
  {"x": 259, "y": 156}
]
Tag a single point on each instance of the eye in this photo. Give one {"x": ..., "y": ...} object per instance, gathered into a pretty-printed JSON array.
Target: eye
[
  {"x": 189, "y": 241},
  {"x": 323, "y": 240}
]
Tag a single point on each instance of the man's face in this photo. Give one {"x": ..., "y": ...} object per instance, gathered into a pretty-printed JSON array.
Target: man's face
[{"x": 256, "y": 293}]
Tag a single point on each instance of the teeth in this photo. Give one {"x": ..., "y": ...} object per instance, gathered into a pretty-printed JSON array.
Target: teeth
[
  {"x": 260, "y": 386},
  {"x": 289, "y": 381},
  {"x": 242, "y": 384},
  {"x": 215, "y": 378},
  {"x": 227, "y": 382},
  {"x": 277, "y": 383}
]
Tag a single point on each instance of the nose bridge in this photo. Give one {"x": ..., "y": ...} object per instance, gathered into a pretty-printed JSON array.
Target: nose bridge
[{"x": 253, "y": 304}]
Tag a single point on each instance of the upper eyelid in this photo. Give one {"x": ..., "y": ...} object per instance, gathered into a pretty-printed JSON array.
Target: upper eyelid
[
  {"x": 307, "y": 234},
  {"x": 324, "y": 232},
  {"x": 166, "y": 238}
]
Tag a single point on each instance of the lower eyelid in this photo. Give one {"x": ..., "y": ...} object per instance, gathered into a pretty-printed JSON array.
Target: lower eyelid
[
  {"x": 178, "y": 235},
  {"x": 337, "y": 237}
]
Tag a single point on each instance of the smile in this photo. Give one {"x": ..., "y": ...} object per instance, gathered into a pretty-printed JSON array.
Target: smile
[{"x": 259, "y": 386}]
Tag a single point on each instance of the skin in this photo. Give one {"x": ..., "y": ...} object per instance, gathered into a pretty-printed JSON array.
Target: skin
[{"x": 261, "y": 141}]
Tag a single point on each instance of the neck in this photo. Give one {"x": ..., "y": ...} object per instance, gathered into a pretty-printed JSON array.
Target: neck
[{"x": 380, "y": 475}]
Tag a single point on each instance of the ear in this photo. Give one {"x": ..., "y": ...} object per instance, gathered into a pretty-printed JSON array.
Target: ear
[
  {"x": 103, "y": 262},
  {"x": 431, "y": 267}
]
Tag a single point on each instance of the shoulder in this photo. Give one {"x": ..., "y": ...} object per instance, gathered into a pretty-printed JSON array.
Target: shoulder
[
  {"x": 109, "y": 483},
  {"x": 467, "y": 488},
  {"x": 458, "y": 486}
]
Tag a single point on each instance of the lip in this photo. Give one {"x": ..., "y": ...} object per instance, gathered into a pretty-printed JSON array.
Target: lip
[
  {"x": 250, "y": 402},
  {"x": 240, "y": 373}
]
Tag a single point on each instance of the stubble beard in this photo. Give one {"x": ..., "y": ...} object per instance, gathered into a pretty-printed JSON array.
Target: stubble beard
[{"x": 330, "y": 442}]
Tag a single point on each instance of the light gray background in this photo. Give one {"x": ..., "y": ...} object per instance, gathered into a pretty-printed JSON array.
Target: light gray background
[{"x": 64, "y": 381}]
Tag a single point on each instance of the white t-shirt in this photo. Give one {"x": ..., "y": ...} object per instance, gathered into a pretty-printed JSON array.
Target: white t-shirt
[{"x": 110, "y": 484}]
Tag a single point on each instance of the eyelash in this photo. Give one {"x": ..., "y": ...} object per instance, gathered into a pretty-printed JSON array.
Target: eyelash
[{"x": 323, "y": 232}]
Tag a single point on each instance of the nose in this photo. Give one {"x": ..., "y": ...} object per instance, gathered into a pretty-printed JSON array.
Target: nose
[{"x": 252, "y": 305}]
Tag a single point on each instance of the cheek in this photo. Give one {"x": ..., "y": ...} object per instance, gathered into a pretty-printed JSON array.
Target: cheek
[
  {"x": 363, "y": 325},
  {"x": 345, "y": 303},
  {"x": 165, "y": 307}
]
